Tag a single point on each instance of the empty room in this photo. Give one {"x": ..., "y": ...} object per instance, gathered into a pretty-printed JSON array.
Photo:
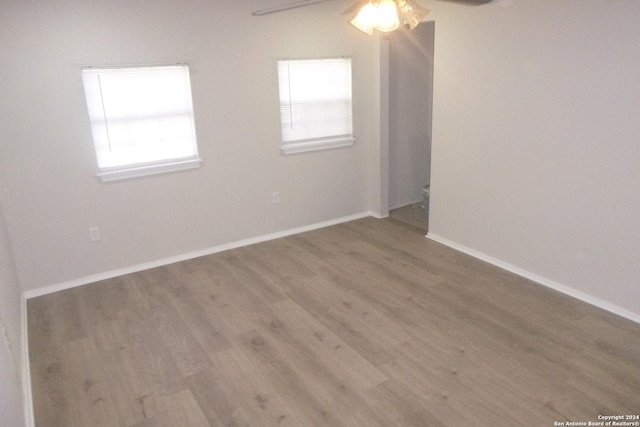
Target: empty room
[{"x": 319, "y": 213}]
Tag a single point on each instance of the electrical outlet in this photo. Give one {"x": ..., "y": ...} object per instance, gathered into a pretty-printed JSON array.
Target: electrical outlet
[
  {"x": 94, "y": 232},
  {"x": 276, "y": 198}
]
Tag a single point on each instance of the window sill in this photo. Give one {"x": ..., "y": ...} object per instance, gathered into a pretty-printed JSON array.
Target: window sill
[
  {"x": 145, "y": 170},
  {"x": 316, "y": 145}
]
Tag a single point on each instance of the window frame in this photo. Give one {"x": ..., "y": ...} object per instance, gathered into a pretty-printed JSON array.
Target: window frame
[
  {"x": 143, "y": 168},
  {"x": 325, "y": 142}
]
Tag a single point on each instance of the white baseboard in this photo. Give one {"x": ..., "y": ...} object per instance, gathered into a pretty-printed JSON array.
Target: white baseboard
[
  {"x": 590, "y": 299},
  {"x": 378, "y": 215},
  {"x": 27, "y": 397},
  {"x": 189, "y": 255}
]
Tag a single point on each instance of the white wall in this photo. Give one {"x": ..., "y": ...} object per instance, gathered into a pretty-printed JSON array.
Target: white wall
[
  {"x": 536, "y": 140},
  {"x": 11, "y": 413},
  {"x": 534, "y": 135},
  {"x": 410, "y": 103},
  {"x": 47, "y": 164}
]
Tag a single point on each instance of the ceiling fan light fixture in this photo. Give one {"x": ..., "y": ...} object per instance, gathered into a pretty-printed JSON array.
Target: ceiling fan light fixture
[
  {"x": 388, "y": 15},
  {"x": 365, "y": 19},
  {"x": 411, "y": 13}
]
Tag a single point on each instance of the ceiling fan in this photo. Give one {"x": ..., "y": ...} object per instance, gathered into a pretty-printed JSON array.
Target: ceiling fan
[{"x": 382, "y": 15}]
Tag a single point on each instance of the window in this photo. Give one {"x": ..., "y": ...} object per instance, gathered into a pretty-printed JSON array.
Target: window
[
  {"x": 315, "y": 104},
  {"x": 141, "y": 120}
]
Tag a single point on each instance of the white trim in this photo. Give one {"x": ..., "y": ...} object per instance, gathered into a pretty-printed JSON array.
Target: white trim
[
  {"x": 189, "y": 255},
  {"x": 316, "y": 145},
  {"x": 589, "y": 299},
  {"x": 144, "y": 170},
  {"x": 378, "y": 215},
  {"x": 27, "y": 396}
]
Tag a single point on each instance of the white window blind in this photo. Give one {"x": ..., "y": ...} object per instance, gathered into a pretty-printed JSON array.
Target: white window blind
[
  {"x": 315, "y": 104},
  {"x": 141, "y": 119}
]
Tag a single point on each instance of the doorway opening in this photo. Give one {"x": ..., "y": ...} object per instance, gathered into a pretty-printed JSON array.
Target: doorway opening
[{"x": 410, "y": 110}]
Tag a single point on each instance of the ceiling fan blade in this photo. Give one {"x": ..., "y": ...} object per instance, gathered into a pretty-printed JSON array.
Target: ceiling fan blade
[
  {"x": 287, "y": 6},
  {"x": 469, "y": 2}
]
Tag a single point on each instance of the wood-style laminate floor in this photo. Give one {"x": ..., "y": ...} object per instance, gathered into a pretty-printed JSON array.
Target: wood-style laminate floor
[
  {"x": 412, "y": 214},
  {"x": 361, "y": 324}
]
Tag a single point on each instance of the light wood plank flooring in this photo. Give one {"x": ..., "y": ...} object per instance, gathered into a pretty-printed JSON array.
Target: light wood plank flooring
[
  {"x": 412, "y": 214},
  {"x": 361, "y": 324}
]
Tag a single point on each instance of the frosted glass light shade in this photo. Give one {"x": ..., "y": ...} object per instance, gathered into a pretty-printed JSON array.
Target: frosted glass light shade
[
  {"x": 388, "y": 15},
  {"x": 365, "y": 19},
  {"x": 411, "y": 13}
]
